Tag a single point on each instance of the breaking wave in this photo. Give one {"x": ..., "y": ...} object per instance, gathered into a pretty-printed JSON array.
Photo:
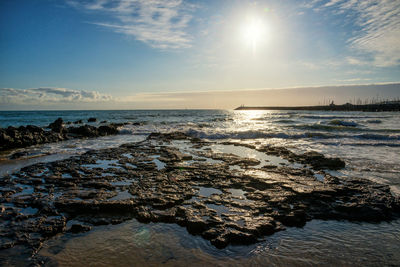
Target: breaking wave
[
  {"x": 251, "y": 134},
  {"x": 343, "y": 123}
]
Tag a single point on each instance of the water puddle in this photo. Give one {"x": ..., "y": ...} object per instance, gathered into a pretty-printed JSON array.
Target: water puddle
[
  {"x": 122, "y": 196},
  {"x": 319, "y": 177},
  {"x": 160, "y": 165},
  {"x": 208, "y": 191},
  {"x": 127, "y": 155},
  {"x": 29, "y": 211},
  {"x": 218, "y": 208},
  {"x": 107, "y": 174},
  {"x": 26, "y": 191},
  {"x": 235, "y": 168},
  {"x": 123, "y": 183},
  {"x": 104, "y": 164},
  {"x": 66, "y": 175},
  {"x": 246, "y": 152},
  {"x": 237, "y": 192},
  {"x": 130, "y": 165}
]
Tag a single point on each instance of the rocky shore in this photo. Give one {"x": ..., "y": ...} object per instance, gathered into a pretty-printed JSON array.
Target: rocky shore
[
  {"x": 173, "y": 178},
  {"x": 24, "y": 136}
]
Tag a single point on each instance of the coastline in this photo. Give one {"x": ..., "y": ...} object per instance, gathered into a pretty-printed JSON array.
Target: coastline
[{"x": 395, "y": 107}]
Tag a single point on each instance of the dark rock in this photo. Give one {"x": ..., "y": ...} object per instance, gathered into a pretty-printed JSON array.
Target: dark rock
[
  {"x": 79, "y": 228},
  {"x": 78, "y": 122},
  {"x": 196, "y": 225},
  {"x": 57, "y": 126},
  {"x": 84, "y": 130},
  {"x": 92, "y": 120},
  {"x": 107, "y": 130},
  {"x": 18, "y": 155},
  {"x": 319, "y": 161}
]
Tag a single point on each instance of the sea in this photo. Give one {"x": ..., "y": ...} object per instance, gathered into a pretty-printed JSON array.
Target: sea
[{"x": 369, "y": 143}]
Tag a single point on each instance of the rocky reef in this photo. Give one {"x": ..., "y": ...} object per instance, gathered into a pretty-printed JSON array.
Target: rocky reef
[
  {"x": 172, "y": 178},
  {"x": 24, "y": 136}
]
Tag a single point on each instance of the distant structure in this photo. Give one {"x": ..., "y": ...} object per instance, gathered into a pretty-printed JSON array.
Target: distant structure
[{"x": 393, "y": 105}]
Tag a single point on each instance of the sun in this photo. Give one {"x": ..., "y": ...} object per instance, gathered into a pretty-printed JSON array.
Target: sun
[{"x": 254, "y": 32}]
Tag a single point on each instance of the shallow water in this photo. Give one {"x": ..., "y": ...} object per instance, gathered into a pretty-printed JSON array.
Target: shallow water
[
  {"x": 368, "y": 142},
  {"x": 135, "y": 244}
]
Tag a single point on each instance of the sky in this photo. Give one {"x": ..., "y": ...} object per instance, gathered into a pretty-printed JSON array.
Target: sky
[{"x": 113, "y": 54}]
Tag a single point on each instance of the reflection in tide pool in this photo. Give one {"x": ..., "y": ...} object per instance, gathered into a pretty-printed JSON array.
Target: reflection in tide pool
[{"x": 318, "y": 243}]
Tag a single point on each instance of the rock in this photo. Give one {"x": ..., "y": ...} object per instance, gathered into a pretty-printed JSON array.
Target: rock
[
  {"x": 57, "y": 126},
  {"x": 22, "y": 136},
  {"x": 78, "y": 122},
  {"x": 78, "y": 228},
  {"x": 12, "y": 137},
  {"x": 107, "y": 130},
  {"x": 196, "y": 225},
  {"x": 92, "y": 120},
  {"x": 84, "y": 130},
  {"x": 319, "y": 161},
  {"x": 18, "y": 155}
]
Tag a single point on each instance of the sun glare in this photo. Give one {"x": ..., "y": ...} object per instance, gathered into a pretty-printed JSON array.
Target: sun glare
[{"x": 254, "y": 32}]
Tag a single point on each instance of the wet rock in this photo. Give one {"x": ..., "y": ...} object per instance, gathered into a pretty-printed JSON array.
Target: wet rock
[
  {"x": 84, "y": 131},
  {"x": 92, "y": 131},
  {"x": 92, "y": 120},
  {"x": 57, "y": 126},
  {"x": 79, "y": 228},
  {"x": 12, "y": 137},
  {"x": 317, "y": 160},
  {"x": 78, "y": 122},
  {"x": 107, "y": 130},
  {"x": 196, "y": 225},
  {"x": 18, "y": 155}
]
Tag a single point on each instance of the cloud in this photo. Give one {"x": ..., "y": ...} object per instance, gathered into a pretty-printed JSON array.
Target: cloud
[
  {"x": 376, "y": 37},
  {"x": 158, "y": 23},
  {"x": 61, "y": 98},
  {"x": 50, "y": 96}
]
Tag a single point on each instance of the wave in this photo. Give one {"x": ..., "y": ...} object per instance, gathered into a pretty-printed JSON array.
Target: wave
[
  {"x": 362, "y": 144},
  {"x": 324, "y": 127},
  {"x": 285, "y": 121},
  {"x": 328, "y": 117},
  {"x": 340, "y": 128},
  {"x": 253, "y": 134},
  {"x": 373, "y": 121},
  {"x": 343, "y": 123},
  {"x": 378, "y": 136}
]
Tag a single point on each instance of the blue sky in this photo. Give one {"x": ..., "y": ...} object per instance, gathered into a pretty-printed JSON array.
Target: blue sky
[{"x": 119, "y": 50}]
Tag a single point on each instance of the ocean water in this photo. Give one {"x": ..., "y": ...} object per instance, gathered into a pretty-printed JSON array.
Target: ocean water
[{"x": 369, "y": 143}]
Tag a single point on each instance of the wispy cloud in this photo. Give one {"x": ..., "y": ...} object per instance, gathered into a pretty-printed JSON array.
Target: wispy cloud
[
  {"x": 377, "y": 37},
  {"x": 46, "y": 96},
  {"x": 158, "y": 23}
]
